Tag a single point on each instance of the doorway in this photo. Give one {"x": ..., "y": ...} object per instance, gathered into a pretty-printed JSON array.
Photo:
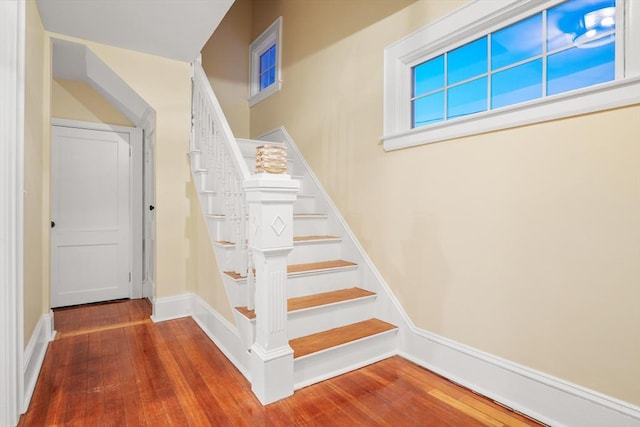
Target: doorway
[{"x": 96, "y": 213}]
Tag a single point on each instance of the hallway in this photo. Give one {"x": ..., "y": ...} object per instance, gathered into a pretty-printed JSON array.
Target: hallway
[{"x": 110, "y": 365}]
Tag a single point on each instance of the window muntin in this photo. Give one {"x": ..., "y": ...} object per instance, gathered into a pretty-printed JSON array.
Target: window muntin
[
  {"x": 264, "y": 63},
  {"x": 268, "y": 67},
  {"x": 535, "y": 57}
]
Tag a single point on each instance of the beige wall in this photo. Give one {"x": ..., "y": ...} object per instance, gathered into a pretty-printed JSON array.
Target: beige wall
[
  {"x": 225, "y": 59},
  {"x": 35, "y": 132},
  {"x": 521, "y": 243},
  {"x": 76, "y": 100}
]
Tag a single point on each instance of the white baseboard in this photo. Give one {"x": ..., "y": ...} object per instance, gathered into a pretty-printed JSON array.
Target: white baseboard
[
  {"x": 172, "y": 307},
  {"x": 34, "y": 355},
  {"x": 223, "y": 334},
  {"x": 541, "y": 396}
]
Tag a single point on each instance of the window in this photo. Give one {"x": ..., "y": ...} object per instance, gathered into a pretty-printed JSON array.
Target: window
[
  {"x": 506, "y": 63},
  {"x": 264, "y": 63}
]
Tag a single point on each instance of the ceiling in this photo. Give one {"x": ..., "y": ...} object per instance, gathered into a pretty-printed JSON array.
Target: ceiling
[{"x": 176, "y": 29}]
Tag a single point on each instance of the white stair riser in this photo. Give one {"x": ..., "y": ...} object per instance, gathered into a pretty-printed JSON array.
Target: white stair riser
[
  {"x": 319, "y": 319},
  {"x": 200, "y": 180},
  {"x": 195, "y": 157},
  {"x": 320, "y": 366},
  {"x": 309, "y": 226},
  {"x": 215, "y": 227},
  {"x": 236, "y": 291},
  {"x": 313, "y": 252},
  {"x": 301, "y": 285},
  {"x": 304, "y": 205},
  {"x": 304, "y": 252},
  {"x": 210, "y": 202}
]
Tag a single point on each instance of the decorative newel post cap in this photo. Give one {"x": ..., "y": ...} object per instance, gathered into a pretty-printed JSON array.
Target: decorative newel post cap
[{"x": 271, "y": 159}]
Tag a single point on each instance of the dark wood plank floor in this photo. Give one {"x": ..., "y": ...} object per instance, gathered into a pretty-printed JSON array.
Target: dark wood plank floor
[{"x": 133, "y": 372}]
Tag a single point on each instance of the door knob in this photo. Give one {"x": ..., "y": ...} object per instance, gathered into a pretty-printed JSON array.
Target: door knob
[
  {"x": 151, "y": 207},
  {"x": 53, "y": 224}
]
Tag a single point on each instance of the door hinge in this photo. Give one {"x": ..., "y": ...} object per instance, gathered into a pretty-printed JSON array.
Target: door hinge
[{"x": 129, "y": 277}]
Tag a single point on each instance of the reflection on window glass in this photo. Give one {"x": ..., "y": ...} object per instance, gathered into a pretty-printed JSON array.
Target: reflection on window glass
[
  {"x": 517, "y": 84},
  {"x": 517, "y": 42},
  {"x": 467, "y": 98},
  {"x": 428, "y": 76},
  {"x": 579, "y": 52},
  {"x": 467, "y": 61},
  {"x": 578, "y": 19},
  {"x": 576, "y": 68},
  {"x": 428, "y": 109},
  {"x": 268, "y": 67}
]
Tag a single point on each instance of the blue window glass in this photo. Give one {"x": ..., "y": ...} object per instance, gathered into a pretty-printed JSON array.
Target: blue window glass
[
  {"x": 517, "y": 84},
  {"x": 428, "y": 76},
  {"x": 428, "y": 109},
  {"x": 517, "y": 42},
  {"x": 570, "y": 20},
  {"x": 467, "y": 61},
  {"x": 579, "y": 51},
  {"x": 268, "y": 67},
  {"x": 576, "y": 68},
  {"x": 467, "y": 98}
]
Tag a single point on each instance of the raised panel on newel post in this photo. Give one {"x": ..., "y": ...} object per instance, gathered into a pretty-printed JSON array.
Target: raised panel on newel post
[{"x": 270, "y": 198}]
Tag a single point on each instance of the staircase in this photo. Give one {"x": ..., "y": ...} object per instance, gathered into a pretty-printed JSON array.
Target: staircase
[{"x": 338, "y": 316}]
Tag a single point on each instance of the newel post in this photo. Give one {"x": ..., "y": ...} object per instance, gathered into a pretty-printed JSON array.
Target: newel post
[{"x": 270, "y": 198}]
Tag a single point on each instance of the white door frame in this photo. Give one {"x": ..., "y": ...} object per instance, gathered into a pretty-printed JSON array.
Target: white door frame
[
  {"x": 12, "y": 88},
  {"x": 136, "y": 195}
]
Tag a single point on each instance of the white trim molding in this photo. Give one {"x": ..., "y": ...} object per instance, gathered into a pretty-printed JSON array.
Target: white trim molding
[
  {"x": 12, "y": 88},
  {"x": 541, "y": 396},
  {"x": 474, "y": 20},
  {"x": 270, "y": 36},
  {"x": 34, "y": 354},
  {"x": 136, "y": 193},
  {"x": 173, "y": 307}
]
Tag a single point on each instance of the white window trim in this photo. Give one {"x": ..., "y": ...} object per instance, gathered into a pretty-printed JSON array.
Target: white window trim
[
  {"x": 271, "y": 35},
  {"x": 474, "y": 20}
]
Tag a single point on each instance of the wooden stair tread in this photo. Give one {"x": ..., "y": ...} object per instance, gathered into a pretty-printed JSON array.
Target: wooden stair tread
[
  {"x": 322, "y": 265},
  {"x": 302, "y": 268},
  {"x": 312, "y": 238},
  {"x": 314, "y": 343},
  {"x": 316, "y": 300},
  {"x": 298, "y": 239}
]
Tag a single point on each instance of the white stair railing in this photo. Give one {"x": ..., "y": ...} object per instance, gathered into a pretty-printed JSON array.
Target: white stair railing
[
  {"x": 258, "y": 222},
  {"x": 215, "y": 150}
]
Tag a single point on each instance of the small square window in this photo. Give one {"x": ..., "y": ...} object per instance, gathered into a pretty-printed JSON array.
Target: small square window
[{"x": 264, "y": 63}]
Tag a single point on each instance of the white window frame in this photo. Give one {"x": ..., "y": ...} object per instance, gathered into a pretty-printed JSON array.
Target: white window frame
[
  {"x": 475, "y": 20},
  {"x": 270, "y": 36}
]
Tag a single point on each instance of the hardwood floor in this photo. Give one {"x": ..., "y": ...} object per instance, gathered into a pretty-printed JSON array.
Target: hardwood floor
[{"x": 132, "y": 372}]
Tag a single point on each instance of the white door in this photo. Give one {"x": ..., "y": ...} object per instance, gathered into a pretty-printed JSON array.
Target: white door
[{"x": 90, "y": 213}]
